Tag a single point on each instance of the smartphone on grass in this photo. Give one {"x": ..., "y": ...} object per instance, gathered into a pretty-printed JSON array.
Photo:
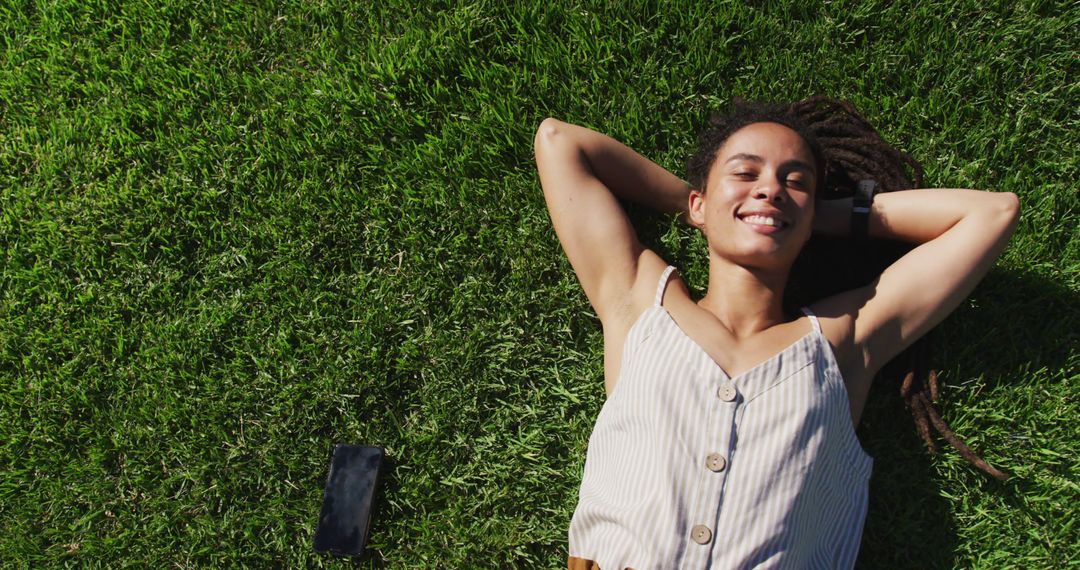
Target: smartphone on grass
[{"x": 348, "y": 499}]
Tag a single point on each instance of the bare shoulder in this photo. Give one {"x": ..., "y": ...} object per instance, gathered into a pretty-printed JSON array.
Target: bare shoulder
[
  {"x": 640, "y": 295},
  {"x": 837, "y": 316},
  {"x": 627, "y": 308}
]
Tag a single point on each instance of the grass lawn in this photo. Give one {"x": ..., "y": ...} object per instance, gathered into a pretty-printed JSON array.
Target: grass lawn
[{"x": 233, "y": 234}]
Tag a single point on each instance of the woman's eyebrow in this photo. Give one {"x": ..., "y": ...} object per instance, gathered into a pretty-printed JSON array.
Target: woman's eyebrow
[
  {"x": 744, "y": 156},
  {"x": 793, "y": 164},
  {"x": 798, "y": 165}
]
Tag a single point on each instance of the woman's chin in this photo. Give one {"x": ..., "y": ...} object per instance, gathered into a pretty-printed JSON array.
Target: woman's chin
[{"x": 771, "y": 255}]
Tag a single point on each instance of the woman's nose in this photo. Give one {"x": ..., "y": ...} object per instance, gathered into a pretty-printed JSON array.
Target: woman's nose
[{"x": 771, "y": 191}]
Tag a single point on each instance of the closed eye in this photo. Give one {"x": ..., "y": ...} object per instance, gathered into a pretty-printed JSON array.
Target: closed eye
[{"x": 796, "y": 175}]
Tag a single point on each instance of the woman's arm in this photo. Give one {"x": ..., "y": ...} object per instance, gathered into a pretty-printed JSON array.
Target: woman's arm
[
  {"x": 960, "y": 233},
  {"x": 914, "y": 216},
  {"x": 582, "y": 173}
]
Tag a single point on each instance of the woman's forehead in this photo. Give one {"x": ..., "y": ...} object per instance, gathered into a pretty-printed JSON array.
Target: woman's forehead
[{"x": 765, "y": 141}]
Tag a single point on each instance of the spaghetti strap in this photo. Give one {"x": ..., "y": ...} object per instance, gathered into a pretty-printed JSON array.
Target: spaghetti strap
[
  {"x": 661, "y": 284},
  {"x": 813, "y": 319}
]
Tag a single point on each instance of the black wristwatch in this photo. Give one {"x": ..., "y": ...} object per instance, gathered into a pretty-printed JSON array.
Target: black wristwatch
[{"x": 860, "y": 209}]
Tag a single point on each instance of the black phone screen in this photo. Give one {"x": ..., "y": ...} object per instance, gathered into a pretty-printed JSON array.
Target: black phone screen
[{"x": 347, "y": 500}]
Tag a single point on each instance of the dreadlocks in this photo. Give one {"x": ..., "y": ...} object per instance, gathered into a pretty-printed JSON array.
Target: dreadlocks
[{"x": 847, "y": 149}]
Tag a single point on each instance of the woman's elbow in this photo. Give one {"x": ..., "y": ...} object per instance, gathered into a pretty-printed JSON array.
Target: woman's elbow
[
  {"x": 548, "y": 129},
  {"x": 1012, "y": 202},
  {"x": 1008, "y": 206},
  {"x": 1003, "y": 210}
]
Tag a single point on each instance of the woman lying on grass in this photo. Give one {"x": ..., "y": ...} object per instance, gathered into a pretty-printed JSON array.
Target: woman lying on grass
[{"x": 728, "y": 433}]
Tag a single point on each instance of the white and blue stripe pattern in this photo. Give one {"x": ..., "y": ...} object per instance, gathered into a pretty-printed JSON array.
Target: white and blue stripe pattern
[{"x": 687, "y": 468}]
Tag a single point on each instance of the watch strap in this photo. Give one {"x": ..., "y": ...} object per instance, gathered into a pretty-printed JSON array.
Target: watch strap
[{"x": 861, "y": 204}]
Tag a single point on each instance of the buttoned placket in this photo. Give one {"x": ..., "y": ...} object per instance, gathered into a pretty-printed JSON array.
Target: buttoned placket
[{"x": 713, "y": 463}]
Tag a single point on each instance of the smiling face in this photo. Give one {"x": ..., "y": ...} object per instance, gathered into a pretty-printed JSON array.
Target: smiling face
[{"x": 758, "y": 206}]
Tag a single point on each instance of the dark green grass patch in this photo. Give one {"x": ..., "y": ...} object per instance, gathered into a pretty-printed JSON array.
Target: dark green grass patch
[{"x": 233, "y": 234}]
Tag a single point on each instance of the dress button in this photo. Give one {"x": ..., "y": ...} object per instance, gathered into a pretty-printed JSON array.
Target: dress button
[
  {"x": 727, "y": 392},
  {"x": 700, "y": 534},
  {"x": 715, "y": 462}
]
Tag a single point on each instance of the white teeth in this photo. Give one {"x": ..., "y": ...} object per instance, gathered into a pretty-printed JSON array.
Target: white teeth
[{"x": 763, "y": 221}]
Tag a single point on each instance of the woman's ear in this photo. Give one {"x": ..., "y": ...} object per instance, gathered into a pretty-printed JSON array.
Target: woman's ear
[{"x": 696, "y": 213}]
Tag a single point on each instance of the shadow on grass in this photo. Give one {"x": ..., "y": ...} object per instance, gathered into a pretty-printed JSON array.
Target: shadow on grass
[
  {"x": 908, "y": 523},
  {"x": 1015, "y": 322}
]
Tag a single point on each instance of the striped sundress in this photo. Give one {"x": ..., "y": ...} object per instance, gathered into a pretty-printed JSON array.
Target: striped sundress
[{"x": 688, "y": 468}]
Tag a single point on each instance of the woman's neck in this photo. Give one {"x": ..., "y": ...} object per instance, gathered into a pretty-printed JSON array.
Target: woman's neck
[{"x": 746, "y": 300}]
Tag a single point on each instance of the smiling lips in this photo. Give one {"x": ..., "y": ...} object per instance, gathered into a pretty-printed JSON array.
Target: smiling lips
[{"x": 763, "y": 220}]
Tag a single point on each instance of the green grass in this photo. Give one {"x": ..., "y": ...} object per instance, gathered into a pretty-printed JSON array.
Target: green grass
[{"x": 233, "y": 234}]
